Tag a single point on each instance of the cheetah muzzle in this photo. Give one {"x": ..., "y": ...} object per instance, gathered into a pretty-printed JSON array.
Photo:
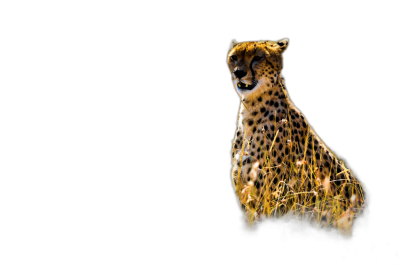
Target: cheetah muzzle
[{"x": 243, "y": 86}]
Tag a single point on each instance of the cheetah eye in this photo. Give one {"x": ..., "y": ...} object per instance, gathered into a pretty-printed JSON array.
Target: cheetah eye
[
  {"x": 257, "y": 58},
  {"x": 234, "y": 58}
]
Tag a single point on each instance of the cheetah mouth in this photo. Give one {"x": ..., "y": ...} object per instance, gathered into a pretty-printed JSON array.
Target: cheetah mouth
[{"x": 243, "y": 86}]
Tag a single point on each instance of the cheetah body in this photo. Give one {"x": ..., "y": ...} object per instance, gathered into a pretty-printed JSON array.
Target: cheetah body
[{"x": 275, "y": 153}]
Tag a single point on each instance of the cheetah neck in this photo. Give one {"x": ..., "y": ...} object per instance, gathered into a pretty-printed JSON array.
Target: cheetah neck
[{"x": 257, "y": 103}]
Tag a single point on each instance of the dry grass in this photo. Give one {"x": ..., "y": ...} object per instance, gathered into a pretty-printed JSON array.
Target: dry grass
[{"x": 302, "y": 193}]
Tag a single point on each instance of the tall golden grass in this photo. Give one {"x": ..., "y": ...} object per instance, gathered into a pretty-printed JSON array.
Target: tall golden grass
[{"x": 301, "y": 193}]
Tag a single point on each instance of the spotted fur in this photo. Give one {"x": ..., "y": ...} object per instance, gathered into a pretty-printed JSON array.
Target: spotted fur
[{"x": 274, "y": 146}]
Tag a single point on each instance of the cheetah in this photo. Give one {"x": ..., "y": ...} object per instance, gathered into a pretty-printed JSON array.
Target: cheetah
[{"x": 279, "y": 164}]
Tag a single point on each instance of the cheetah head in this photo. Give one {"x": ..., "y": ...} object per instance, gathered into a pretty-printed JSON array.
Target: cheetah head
[{"x": 255, "y": 66}]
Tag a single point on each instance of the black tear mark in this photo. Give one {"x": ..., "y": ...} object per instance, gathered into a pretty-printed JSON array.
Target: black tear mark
[{"x": 251, "y": 66}]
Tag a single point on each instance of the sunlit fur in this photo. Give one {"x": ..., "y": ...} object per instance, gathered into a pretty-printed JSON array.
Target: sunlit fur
[
  {"x": 279, "y": 164},
  {"x": 266, "y": 70}
]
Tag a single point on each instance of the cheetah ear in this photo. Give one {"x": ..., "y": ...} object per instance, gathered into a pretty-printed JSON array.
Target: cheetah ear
[
  {"x": 281, "y": 45},
  {"x": 233, "y": 44}
]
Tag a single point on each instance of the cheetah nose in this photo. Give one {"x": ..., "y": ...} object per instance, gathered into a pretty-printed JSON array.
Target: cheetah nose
[{"x": 239, "y": 73}]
